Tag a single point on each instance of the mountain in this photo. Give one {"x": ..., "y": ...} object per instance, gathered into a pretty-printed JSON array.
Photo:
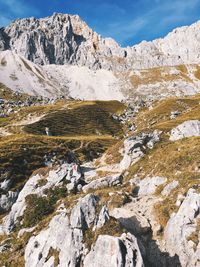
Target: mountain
[
  {"x": 63, "y": 39},
  {"x": 61, "y": 55},
  {"x": 86, "y": 182}
]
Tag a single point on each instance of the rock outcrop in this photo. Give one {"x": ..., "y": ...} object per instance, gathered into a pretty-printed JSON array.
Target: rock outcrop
[
  {"x": 104, "y": 182},
  {"x": 186, "y": 129},
  {"x": 65, "y": 237},
  {"x": 179, "y": 229},
  {"x": 135, "y": 148},
  {"x": 7, "y": 200},
  {"x": 54, "y": 178},
  {"x": 117, "y": 251}
]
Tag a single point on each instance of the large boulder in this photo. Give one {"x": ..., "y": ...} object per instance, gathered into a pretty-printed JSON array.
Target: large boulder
[
  {"x": 186, "y": 129},
  {"x": 114, "y": 252},
  {"x": 135, "y": 147},
  {"x": 179, "y": 229}
]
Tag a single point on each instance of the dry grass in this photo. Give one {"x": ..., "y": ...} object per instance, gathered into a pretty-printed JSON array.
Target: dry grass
[
  {"x": 111, "y": 227},
  {"x": 159, "y": 116},
  {"x": 194, "y": 237},
  {"x": 158, "y": 75}
]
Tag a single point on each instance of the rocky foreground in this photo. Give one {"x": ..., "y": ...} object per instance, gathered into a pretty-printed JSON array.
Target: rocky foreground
[{"x": 136, "y": 203}]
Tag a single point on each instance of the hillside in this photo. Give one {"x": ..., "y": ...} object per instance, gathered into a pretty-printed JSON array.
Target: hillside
[
  {"x": 123, "y": 173},
  {"x": 99, "y": 147}
]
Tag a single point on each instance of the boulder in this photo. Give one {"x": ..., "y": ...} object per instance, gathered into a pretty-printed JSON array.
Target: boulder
[
  {"x": 84, "y": 213},
  {"x": 186, "y": 129},
  {"x": 135, "y": 148},
  {"x": 180, "y": 226},
  {"x": 114, "y": 252}
]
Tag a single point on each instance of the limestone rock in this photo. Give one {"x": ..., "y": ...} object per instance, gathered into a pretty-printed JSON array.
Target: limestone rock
[
  {"x": 66, "y": 39},
  {"x": 168, "y": 188},
  {"x": 55, "y": 177},
  {"x": 102, "y": 218},
  {"x": 7, "y": 200},
  {"x": 148, "y": 185},
  {"x": 114, "y": 252},
  {"x": 104, "y": 182},
  {"x": 83, "y": 214},
  {"x": 186, "y": 129},
  {"x": 135, "y": 148},
  {"x": 65, "y": 236},
  {"x": 180, "y": 226}
]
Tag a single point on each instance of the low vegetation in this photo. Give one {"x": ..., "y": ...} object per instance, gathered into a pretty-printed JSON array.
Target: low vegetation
[
  {"x": 83, "y": 120},
  {"x": 38, "y": 207}
]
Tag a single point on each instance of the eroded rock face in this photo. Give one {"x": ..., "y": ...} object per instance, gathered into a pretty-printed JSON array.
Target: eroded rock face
[
  {"x": 54, "y": 178},
  {"x": 63, "y": 39},
  {"x": 179, "y": 228},
  {"x": 135, "y": 148},
  {"x": 115, "y": 252},
  {"x": 59, "y": 39},
  {"x": 186, "y": 129},
  {"x": 64, "y": 235}
]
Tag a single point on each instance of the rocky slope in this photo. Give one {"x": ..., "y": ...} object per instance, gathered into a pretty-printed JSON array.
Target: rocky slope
[
  {"x": 98, "y": 183},
  {"x": 123, "y": 195}
]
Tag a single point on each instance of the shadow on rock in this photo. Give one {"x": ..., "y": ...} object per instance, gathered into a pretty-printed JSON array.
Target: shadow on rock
[{"x": 152, "y": 255}]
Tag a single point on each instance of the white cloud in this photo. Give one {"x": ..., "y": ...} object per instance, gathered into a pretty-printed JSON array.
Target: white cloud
[{"x": 161, "y": 15}]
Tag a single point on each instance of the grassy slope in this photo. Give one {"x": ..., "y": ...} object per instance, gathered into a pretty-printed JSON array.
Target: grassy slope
[
  {"x": 74, "y": 129},
  {"x": 174, "y": 160}
]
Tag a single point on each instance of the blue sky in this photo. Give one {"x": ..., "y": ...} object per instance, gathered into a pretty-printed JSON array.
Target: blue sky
[{"x": 127, "y": 21}]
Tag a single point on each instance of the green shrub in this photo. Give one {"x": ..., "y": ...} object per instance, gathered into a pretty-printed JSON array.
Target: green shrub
[{"x": 37, "y": 208}]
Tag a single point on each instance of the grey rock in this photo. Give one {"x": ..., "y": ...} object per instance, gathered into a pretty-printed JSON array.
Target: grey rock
[
  {"x": 84, "y": 213},
  {"x": 186, "y": 129},
  {"x": 7, "y": 200},
  {"x": 55, "y": 178},
  {"x": 63, "y": 39},
  {"x": 135, "y": 148},
  {"x": 114, "y": 252},
  {"x": 180, "y": 226},
  {"x": 65, "y": 235},
  {"x": 102, "y": 218},
  {"x": 148, "y": 185},
  {"x": 103, "y": 182},
  {"x": 168, "y": 188}
]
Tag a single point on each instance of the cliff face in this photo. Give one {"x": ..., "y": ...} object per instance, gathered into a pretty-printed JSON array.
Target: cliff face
[
  {"x": 59, "y": 39},
  {"x": 66, "y": 39}
]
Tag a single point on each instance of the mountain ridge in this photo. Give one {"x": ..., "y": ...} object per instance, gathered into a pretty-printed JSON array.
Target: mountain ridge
[{"x": 67, "y": 39}]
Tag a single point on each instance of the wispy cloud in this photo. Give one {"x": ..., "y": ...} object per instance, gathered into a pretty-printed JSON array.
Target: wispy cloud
[{"x": 158, "y": 16}]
